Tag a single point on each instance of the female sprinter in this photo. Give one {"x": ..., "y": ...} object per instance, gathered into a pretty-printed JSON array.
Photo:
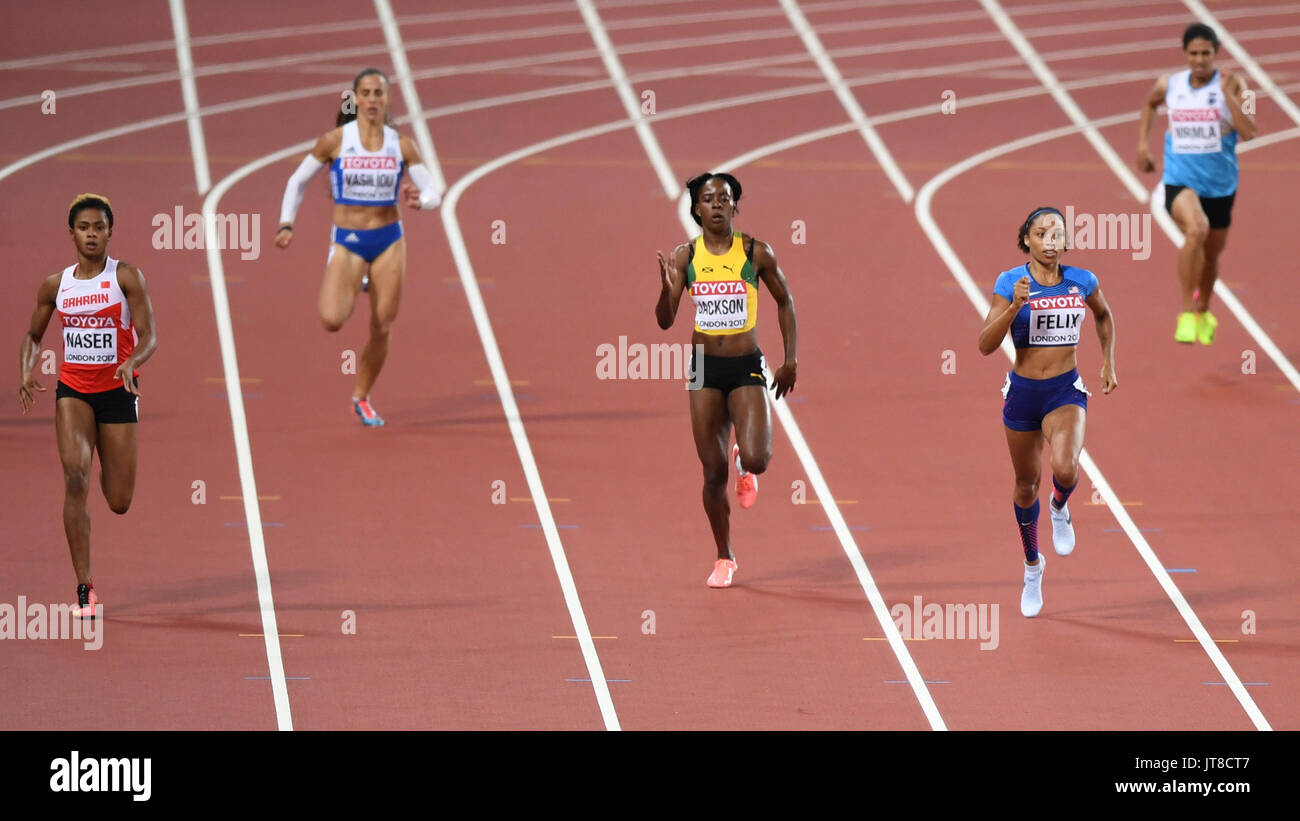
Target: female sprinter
[
  {"x": 1042, "y": 303},
  {"x": 366, "y": 158},
  {"x": 722, "y": 268},
  {"x": 108, "y": 333},
  {"x": 1200, "y": 177}
]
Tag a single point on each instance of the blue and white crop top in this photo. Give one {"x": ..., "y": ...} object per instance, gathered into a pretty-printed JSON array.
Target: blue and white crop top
[
  {"x": 1054, "y": 314},
  {"x": 361, "y": 177}
]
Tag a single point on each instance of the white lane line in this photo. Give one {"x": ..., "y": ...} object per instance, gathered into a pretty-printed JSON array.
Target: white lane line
[
  {"x": 185, "y": 61},
  {"x": 1265, "y": 81},
  {"x": 981, "y": 305},
  {"x": 243, "y": 448},
  {"x": 842, "y": 93},
  {"x": 627, "y": 96},
  {"x": 1064, "y": 100},
  {"x": 234, "y": 388},
  {"x": 397, "y": 52},
  {"x": 502, "y": 380},
  {"x": 795, "y": 435}
]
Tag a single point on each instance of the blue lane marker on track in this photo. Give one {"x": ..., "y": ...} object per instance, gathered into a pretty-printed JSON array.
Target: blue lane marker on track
[{"x": 1180, "y": 569}]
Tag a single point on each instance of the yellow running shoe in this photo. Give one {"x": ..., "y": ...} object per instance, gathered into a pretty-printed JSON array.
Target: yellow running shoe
[
  {"x": 1205, "y": 327},
  {"x": 1186, "y": 331}
]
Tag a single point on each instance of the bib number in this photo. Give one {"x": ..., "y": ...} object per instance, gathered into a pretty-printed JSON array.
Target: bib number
[
  {"x": 720, "y": 306},
  {"x": 90, "y": 346},
  {"x": 1195, "y": 131}
]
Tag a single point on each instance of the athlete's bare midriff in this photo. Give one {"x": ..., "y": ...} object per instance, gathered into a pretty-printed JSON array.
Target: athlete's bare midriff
[
  {"x": 365, "y": 217},
  {"x": 727, "y": 344},
  {"x": 1044, "y": 363}
]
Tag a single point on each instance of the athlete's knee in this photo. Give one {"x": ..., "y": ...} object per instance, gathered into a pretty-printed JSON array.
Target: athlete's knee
[
  {"x": 1066, "y": 471},
  {"x": 1198, "y": 229},
  {"x": 381, "y": 326},
  {"x": 119, "y": 503},
  {"x": 715, "y": 477},
  {"x": 76, "y": 482},
  {"x": 1026, "y": 487},
  {"x": 331, "y": 323},
  {"x": 754, "y": 461}
]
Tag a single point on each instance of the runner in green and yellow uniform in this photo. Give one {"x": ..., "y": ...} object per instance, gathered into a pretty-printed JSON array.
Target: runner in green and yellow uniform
[{"x": 722, "y": 268}]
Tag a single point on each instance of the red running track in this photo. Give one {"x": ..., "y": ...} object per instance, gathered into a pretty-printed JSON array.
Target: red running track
[{"x": 456, "y": 600}]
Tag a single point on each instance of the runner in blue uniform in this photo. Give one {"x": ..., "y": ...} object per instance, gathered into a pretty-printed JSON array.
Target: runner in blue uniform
[
  {"x": 1043, "y": 304},
  {"x": 1206, "y": 118},
  {"x": 366, "y": 157}
]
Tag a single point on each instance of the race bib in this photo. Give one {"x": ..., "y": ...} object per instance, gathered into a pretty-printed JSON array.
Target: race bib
[
  {"x": 92, "y": 341},
  {"x": 369, "y": 178},
  {"x": 1195, "y": 130},
  {"x": 1055, "y": 320},
  {"x": 720, "y": 305}
]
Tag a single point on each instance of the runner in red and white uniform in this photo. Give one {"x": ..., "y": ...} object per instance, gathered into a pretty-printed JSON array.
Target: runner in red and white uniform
[{"x": 108, "y": 333}]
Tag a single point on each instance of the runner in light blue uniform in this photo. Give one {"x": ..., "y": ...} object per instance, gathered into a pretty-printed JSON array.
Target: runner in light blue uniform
[{"x": 1206, "y": 118}]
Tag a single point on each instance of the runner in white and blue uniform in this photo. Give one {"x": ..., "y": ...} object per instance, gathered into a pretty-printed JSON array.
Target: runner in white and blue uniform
[
  {"x": 367, "y": 159},
  {"x": 1043, "y": 304},
  {"x": 1206, "y": 119}
]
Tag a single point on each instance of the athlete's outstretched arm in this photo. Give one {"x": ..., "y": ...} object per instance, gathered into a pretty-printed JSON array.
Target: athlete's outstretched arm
[
  {"x": 1105, "y": 335},
  {"x": 1154, "y": 99},
  {"x": 672, "y": 279},
  {"x": 31, "y": 346},
  {"x": 137, "y": 296},
  {"x": 1001, "y": 314},
  {"x": 322, "y": 154},
  {"x": 424, "y": 194},
  {"x": 770, "y": 273}
]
